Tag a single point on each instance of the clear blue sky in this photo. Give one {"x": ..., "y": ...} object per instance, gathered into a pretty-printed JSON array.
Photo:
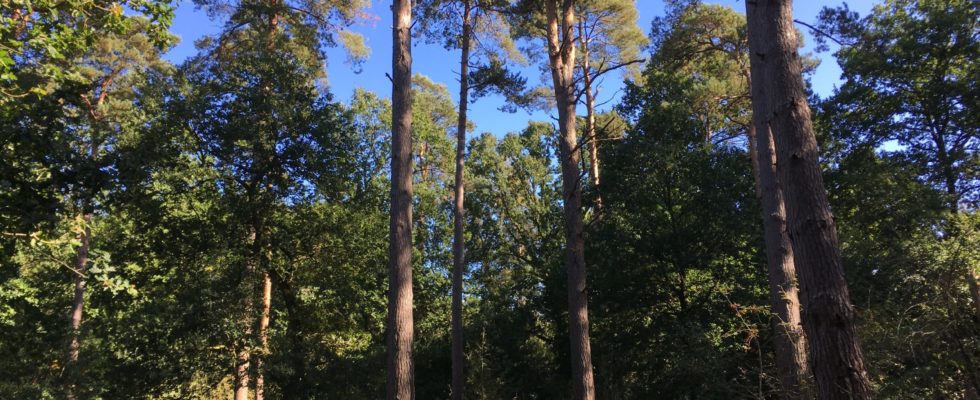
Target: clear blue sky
[{"x": 442, "y": 65}]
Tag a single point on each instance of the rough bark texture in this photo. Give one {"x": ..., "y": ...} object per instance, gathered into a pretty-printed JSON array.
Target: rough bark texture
[
  {"x": 400, "y": 371},
  {"x": 78, "y": 304},
  {"x": 561, "y": 56},
  {"x": 459, "y": 245},
  {"x": 780, "y": 101},
  {"x": 790, "y": 343},
  {"x": 263, "y": 337}
]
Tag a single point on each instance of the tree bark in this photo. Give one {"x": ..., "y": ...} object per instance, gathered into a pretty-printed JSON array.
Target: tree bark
[
  {"x": 244, "y": 354},
  {"x": 780, "y": 102},
  {"x": 561, "y": 56},
  {"x": 263, "y": 336},
  {"x": 400, "y": 371},
  {"x": 790, "y": 343},
  {"x": 459, "y": 245},
  {"x": 78, "y": 304},
  {"x": 590, "y": 131}
]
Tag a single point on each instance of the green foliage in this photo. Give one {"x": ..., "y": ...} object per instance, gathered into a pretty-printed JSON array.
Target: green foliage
[{"x": 177, "y": 166}]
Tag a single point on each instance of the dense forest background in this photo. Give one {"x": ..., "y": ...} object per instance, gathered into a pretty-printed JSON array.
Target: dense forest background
[{"x": 157, "y": 219}]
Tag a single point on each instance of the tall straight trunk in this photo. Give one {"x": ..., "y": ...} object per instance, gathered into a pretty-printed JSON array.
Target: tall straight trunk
[
  {"x": 459, "y": 245},
  {"x": 561, "y": 56},
  {"x": 263, "y": 336},
  {"x": 78, "y": 304},
  {"x": 263, "y": 248},
  {"x": 779, "y": 101},
  {"x": 790, "y": 343},
  {"x": 244, "y": 354},
  {"x": 400, "y": 371},
  {"x": 590, "y": 131}
]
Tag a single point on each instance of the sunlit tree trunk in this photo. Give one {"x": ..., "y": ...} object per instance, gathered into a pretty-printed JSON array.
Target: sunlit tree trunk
[
  {"x": 400, "y": 370},
  {"x": 263, "y": 336},
  {"x": 561, "y": 56},
  {"x": 790, "y": 342},
  {"x": 779, "y": 100},
  {"x": 459, "y": 245},
  {"x": 590, "y": 130}
]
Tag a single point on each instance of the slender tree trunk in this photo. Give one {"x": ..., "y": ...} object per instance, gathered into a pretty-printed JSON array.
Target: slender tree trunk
[
  {"x": 78, "y": 304},
  {"x": 400, "y": 371},
  {"x": 263, "y": 336},
  {"x": 459, "y": 245},
  {"x": 590, "y": 131},
  {"x": 561, "y": 55},
  {"x": 790, "y": 343},
  {"x": 244, "y": 354},
  {"x": 779, "y": 101}
]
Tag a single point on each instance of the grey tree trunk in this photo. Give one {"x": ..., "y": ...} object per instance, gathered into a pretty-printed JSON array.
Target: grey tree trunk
[
  {"x": 78, "y": 304},
  {"x": 561, "y": 56},
  {"x": 780, "y": 102},
  {"x": 790, "y": 343},
  {"x": 459, "y": 245},
  {"x": 400, "y": 371}
]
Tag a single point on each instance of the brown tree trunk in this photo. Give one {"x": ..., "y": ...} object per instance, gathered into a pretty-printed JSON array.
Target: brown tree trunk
[
  {"x": 78, "y": 304},
  {"x": 780, "y": 102},
  {"x": 459, "y": 245},
  {"x": 561, "y": 56},
  {"x": 263, "y": 336},
  {"x": 400, "y": 371},
  {"x": 790, "y": 343},
  {"x": 590, "y": 131}
]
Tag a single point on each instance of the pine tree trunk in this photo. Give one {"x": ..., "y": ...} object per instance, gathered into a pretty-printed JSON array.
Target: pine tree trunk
[
  {"x": 459, "y": 245},
  {"x": 780, "y": 101},
  {"x": 400, "y": 371},
  {"x": 561, "y": 55},
  {"x": 590, "y": 131},
  {"x": 78, "y": 304},
  {"x": 263, "y": 336},
  {"x": 790, "y": 343},
  {"x": 244, "y": 354}
]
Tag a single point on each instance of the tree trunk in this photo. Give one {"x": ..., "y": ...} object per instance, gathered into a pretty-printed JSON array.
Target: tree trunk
[
  {"x": 400, "y": 371},
  {"x": 459, "y": 245},
  {"x": 244, "y": 353},
  {"x": 561, "y": 55},
  {"x": 263, "y": 336},
  {"x": 78, "y": 304},
  {"x": 790, "y": 343},
  {"x": 779, "y": 101},
  {"x": 590, "y": 131},
  {"x": 973, "y": 277}
]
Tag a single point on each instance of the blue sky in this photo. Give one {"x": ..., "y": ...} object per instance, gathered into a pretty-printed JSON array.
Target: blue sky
[{"x": 442, "y": 65}]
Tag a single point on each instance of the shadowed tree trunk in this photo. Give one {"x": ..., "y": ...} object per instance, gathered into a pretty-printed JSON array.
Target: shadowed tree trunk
[
  {"x": 78, "y": 304},
  {"x": 779, "y": 101},
  {"x": 400, "y": 371},
  {"x": 459, "y": 245},
  {"x": 561, "y": 57}
]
